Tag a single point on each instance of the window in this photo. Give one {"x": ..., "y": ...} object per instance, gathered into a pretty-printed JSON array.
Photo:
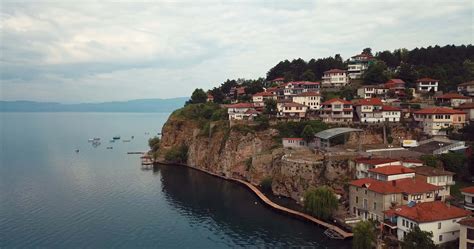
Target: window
[
  {"x": 357, "y": 199},
  {"x": 354, "y": 210},
  {"x": 470, "y": 234},
  {"x": 439, "y": 226},
  {"x": 403, "y": 222},
  {"x": 375, "y": 205},
  {"x": 440, "y": 238}
]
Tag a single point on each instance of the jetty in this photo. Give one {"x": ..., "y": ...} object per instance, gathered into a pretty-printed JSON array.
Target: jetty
[
  {"x": 332, "y": 231},
  {"x": 136, "y": 152}
]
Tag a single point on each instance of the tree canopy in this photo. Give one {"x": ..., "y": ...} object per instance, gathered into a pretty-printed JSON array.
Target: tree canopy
[
  {"x": 375, "y": 74},
  {"x": 198, "y": 96},
  {"x": 320, "y": 202},
  {"x": 364, "y": 235},
  {"x": 418, "y": 239},
  {"x": 308, "y": 133}
]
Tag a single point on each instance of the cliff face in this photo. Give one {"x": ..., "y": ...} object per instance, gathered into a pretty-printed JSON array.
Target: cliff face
[{"x": 252, "y": 156}]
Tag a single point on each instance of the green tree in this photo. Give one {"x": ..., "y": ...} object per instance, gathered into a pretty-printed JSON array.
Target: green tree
[
  {"x": 407, "y": 73},
  {"x": 308, "y": 75},
  {"x": 367, "y": 51},
  {"x": 262, "y": 122},
  {"x": 418, "y": 239},
  {"x": 308, "y": 133},
  {"x": 364, "y": 235},
  {"x": 177, "y": 154},
  {"x": 270, "y": 107},
  {"x": 198, "y": 96},
  {"x": 266, "y": 183},
  {"x": 454, "y": 162},
  {"x": 154, "y": 143},
  {"x": 429, "y": 160},
  {"x": 375, "y": 74},
  {"x": 320, "y": 202}
]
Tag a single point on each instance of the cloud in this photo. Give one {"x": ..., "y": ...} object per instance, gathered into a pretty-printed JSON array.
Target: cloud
[{"x": 120, "y": 50}]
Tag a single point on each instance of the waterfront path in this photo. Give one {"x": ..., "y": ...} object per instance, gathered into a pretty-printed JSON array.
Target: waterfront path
[{"x": 275, "y": 206}]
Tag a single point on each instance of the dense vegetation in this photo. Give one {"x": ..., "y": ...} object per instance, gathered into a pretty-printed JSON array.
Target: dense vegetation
[
  {"x": 178, "y": 154},
  {"x": 364, "y": 235},
  {"x": 295, "y": 129},
  {"x": 154, "y": 144},
  {"x": 320, "y": 202},
  {"x": 418, "y": 239}
]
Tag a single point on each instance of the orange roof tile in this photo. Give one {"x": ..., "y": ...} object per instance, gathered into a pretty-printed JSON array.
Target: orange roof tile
[
  {"x": 469, "y": 190},
  {"x": 452, "y": 96},
  {"x": 438, "y": 110},
  {"x": 467, "y": 222},
  {"x": 430, "y": 211},
  {"x": 371, "y": 101},
  {"x": 336, "y": 100},
  {"x": 426, "y": 80},
  {"x": 390, "y": 108},
  {"x": 307, "y": 94},
  {"x": 375, "y": 161},
  {"x": 392, "y": 170},
  {"x": 407, "y": 185},
  {"x": 240, "y": 105},
  {"x": 335, "y": 70}
]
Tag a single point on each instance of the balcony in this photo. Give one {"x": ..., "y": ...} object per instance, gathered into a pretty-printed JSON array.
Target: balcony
[{"x": 469, "y": 205}]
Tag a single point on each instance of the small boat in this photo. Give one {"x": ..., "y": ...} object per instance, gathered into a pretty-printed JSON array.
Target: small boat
[
  {"x": 77, "y": 151},
  {"x": 90, "y": 140},
  {"x": 110, "y": 147},
  {"x": 116, "y": 137},
  {"x": 133, "y": 137},
  {"x": 96, "y": 138},
  {"x": 126, "y": 141},
  {"x": 112, "y": 141}
]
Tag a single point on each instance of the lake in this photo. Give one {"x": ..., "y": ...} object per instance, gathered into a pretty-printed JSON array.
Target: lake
[{"x": 54, "y": 197}]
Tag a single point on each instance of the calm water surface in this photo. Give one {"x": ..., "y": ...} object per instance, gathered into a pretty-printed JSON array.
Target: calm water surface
[{"x": 53, "y": 197}]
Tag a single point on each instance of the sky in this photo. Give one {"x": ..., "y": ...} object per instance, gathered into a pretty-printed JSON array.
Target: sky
[{"x": 90, "y": 51}]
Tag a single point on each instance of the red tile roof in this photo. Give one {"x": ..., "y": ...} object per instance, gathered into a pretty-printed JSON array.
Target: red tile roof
[
  {"x": 409, "y": 160},
  {"x": 367, "y": 56},
  {"x": 251, "y": 111},
  {"x": 467, "y": 222},
  {"x": 407, "y": 185},
  {"x": 375, "y": 161},
  {"x": 426, "y": 80},
  {"x": 469, "y": 83},
  {"x": 336, "y": 100},
  {"x": 292, "y": 104},
  {"x": 430, "y": 211},
  {"x": 335, "y": 70},
  {"x": 304, "y": 94},
  {"x": 469, "y": 190},
  {"x": 293, "y": 138},
  {"x": 431, "y": 171},
  {"x": 263, "y": 94},
  {"x": 392, "y": 170},
  {"x": 371, "y": 101},
  {"x": 278, "y": 79},
  {"x": 438, "y": 110},
  {"x": 390, "y": 108},
  {"x": 396, "y": 81},
  {"x": 466, "y": 106},
  {"x": 452, "y": 96},
  {"x": 240, "y": 105}
]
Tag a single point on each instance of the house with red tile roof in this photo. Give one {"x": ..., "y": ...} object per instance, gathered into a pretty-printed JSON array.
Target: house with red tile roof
[
  {"x": 468, "y": 194},
  {"x": 259, "y": 98},
  {"x": 452, "y": 99},
  {"x": 241, "y": 111},
  {"x": 389, "y": 173},
  {"x": 391, "y": 113},
  {"x": 467, "y": 108},
  {"x": 427, "y": 85},
  {"x": 466, "y": 234},
  {"x": 335, "y": 78},
  {"x": 310, "y": 99},
  {"x": 336, "y": 111},
  {"x": 437, "y": 217},
  {"x": 363, "y": 165},
  {"x": 358, "y": 64},
  {"x": 435, "y": 121},
  {"x": 466, "y": 88},
  {"x": 369, "y": 110},
  {"x": 438, "y": 177},
  {"x": 369, "y": 198},
  {"x": 278, "y": 80},
  {"x": 291, "y": 110},
  {"x": 372, "y": 91}
]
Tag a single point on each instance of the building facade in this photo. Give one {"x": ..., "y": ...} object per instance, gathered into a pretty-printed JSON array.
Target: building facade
[
  {"x": 336, "y": 111},
  {"x": 427, "y": 85},
  {"x": 468, "y": 194},
  {"x": 310, "y": 99},
  {"x": 335, "y": 78},
  {"x": 466, "y": 234},
  {"x": 435, "y": 121}
]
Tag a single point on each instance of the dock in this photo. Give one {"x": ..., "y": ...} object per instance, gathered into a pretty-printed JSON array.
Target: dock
[
  {"x": 332, "y": 231},
  {"x": 146, "y": 161},
  {"x": 135, "y": 152}
]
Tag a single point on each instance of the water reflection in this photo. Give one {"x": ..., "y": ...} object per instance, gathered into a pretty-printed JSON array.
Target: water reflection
[{"x": 232, "y": 210}]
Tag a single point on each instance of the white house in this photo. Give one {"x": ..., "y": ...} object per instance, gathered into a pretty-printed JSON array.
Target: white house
[
  {"x": 335, "y": 78},
  {"x": 371, "y": 91},
  {"x": 294, "y": 142},
  {"x": 259, "y": 98},
  {"x": 452, "y": 99},
  {"x": 435, "y": 121},
  {"x": 468, "y": 194},
  {"x": 369, "y": 110},
  {"x": 358, "y": 64},
  {"x": 466, "y": 88},
  {"x": 310, "y": 99},
  {"x": 437, "y": 177},
  {"x": 291, "y": 110},
  {"x": 363, "y": 165},
  {"x": 241, "y": 111},
  {"x": 391, "y": 113},
  {"x": 426, "y": 85},
  {"x": 389, "y": 173},
  {"x": 336, "y": 110},
  {"x": 437, "y": 217},
  {"x": 466, "y": 237},
  {"x": 467, "y": 108}
]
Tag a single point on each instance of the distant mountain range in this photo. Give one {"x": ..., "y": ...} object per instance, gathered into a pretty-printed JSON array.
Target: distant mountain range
[{"x": 139, "y": 105}]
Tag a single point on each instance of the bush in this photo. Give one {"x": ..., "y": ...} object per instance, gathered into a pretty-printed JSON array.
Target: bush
[
  {"x": 429, "y": 160},
  {"x": 295, "y": 129},
  {"x": 262, "y": 122},
  {"x": 364, "y": 235},
  {"x": 390, "y": 140},
  {"x": 266, "y": 183},
  {"x": 454, "y": 162},
  {"x": 154, "y": 143},
  {"x": 320, "y": 202},
  {"x": 177, "y": 154}
]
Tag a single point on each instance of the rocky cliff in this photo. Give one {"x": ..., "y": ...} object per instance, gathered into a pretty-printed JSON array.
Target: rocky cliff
[{"x": 244, "y": 153}]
